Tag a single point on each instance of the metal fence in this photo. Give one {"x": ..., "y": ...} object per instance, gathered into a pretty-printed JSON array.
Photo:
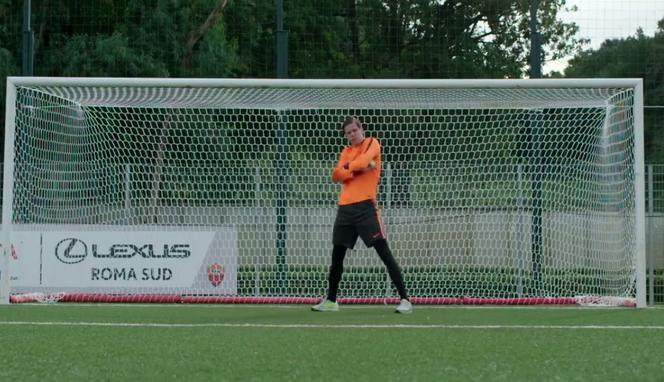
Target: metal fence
[
  {"x": 654, "y": 226},
  {"x": 655, "y": 232}
]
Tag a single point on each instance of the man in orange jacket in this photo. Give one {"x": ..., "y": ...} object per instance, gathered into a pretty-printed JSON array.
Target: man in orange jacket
[{"x": 358, "y": 171}]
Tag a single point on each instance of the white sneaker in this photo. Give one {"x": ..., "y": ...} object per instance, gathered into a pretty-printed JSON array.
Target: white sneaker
[
  {"x": 404, "y": 307},
  {"x": 326, "y": 306}
]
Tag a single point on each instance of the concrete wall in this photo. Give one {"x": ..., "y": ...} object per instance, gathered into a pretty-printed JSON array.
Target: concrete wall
[
  {"x": 425, "y": 237},
  {"x": 418, "y": 237}
]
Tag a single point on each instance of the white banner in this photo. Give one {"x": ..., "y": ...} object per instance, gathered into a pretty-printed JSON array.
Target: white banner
[{"x": 82, "y": 257}]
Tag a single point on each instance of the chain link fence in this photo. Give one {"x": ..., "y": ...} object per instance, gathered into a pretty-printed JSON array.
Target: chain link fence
[
  {"x": 655, "y": 232},
  {"x": 654, "y": 226}
]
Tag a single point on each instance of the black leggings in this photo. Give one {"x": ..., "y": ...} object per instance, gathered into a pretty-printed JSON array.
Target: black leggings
[{"x": 383, "y": 250}]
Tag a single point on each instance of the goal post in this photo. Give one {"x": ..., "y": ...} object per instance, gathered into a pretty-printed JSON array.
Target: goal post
[
  {"x": 7, "y": 192},
  {"x": 218, "y": 190}
]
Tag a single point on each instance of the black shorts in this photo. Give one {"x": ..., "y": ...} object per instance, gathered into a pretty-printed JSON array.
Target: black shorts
[{"x": 358, "y": 219}]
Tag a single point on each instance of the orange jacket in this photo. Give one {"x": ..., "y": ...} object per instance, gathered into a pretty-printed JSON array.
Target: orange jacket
[{"x": 358, "y": 185}]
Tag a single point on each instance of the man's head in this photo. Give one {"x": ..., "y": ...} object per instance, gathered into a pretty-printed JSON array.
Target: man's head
[{"x": 353, "y": 130}]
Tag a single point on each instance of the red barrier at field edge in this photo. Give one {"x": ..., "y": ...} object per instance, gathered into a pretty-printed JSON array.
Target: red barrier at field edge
[{"x": 180, "y": 299}]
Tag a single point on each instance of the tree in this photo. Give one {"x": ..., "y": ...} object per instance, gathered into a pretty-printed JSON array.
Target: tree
[
  {"x": 454, "y": 39},
  {"x": 398, "y": 39},
  {"x": 188, "y": 37},
  {"x": 638, "y": 56},
  {"x": 124, "y": 38},
  {"x": 327, "y": 38}
]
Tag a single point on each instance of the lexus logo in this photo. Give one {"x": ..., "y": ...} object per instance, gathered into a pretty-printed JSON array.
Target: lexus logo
[{"x": 71, "y": 250}]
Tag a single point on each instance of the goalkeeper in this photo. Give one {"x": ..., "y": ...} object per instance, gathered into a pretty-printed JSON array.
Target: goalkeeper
[{"x": 358, "y": 171}]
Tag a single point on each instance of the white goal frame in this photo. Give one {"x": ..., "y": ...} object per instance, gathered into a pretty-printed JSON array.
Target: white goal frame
[{"x": 636, "y": 84}]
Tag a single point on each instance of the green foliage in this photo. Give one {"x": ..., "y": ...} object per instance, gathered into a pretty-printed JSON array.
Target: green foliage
[
  {"x": 216, "y": 56},
  {"x": 164, "y": 27},
  {"x": 7, "y": 64},
  {"x": 7, "y": 67},
  {"x": 638, "y": 56},
  {"x": 425, "y": 39},
  {"x": 330, "y": 39},
  {"x": 102, "y": 56},
  {"x": 326, "y": 38}
]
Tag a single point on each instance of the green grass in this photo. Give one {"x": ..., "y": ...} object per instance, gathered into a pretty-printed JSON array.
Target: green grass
[{"x": 359, "y": 343}]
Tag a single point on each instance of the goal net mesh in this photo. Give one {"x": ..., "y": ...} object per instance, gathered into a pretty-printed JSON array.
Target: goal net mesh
[{"x": 486, "y": 193}]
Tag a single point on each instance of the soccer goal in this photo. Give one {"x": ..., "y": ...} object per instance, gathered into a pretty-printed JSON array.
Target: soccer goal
[{"x": 204, "y": 190}]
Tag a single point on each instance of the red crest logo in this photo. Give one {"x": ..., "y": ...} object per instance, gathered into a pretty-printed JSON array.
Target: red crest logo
[{"x": 215, "y": 274}]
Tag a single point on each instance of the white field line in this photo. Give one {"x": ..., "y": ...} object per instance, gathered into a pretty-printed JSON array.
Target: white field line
[{"x": 331, "y": 326}]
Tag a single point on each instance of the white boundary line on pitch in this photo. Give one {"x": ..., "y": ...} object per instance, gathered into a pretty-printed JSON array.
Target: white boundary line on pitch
[{"x": 322, "y": 326}]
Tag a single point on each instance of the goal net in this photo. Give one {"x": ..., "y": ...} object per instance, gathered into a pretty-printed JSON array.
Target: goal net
[{"x": 492, "y": 191}]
